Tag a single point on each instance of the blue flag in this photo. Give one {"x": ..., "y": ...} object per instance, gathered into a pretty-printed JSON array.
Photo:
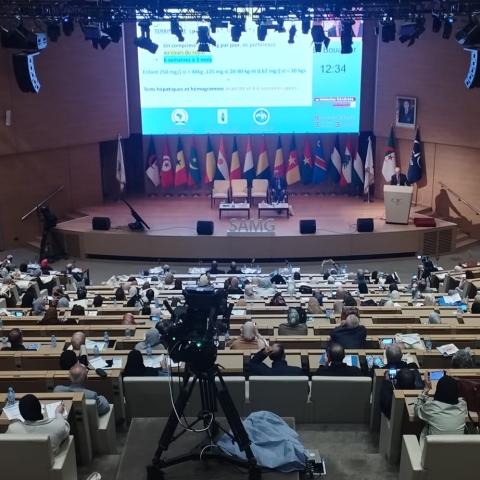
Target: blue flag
[
  {"x": 319, "y": 164},
  {"x": 415, "y": 168},
  {"x": 335, "y": 164}
]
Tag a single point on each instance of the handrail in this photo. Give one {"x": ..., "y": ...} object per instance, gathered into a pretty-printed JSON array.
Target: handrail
[
  {"x": 460, "y": 198},
  {"x": 36, "y": 207}
]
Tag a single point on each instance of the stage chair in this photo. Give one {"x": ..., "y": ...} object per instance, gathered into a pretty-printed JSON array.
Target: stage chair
[
  {"x": 259, "y": 190},
  {"x": 443, "y": 457},
  {"x": 240, "y": 190},
  {"x": 220, "y": 190},
  {"x": 340, "y": 399},
  {"x": 269, "y": 393},
  {"x": 30, "y": 457},
  {"x": 102, "y": 429}
]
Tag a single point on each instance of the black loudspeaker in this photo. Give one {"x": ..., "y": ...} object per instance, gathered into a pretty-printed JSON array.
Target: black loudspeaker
[
  {"x": 364, "y": 224},
  {"x": 100, "y": 223},
  {"x": 204, "y": 227},
  {"x": 472, "y": 79},
  {"x": 24, "y": 68},
  {"x": 308, "y": 226}
]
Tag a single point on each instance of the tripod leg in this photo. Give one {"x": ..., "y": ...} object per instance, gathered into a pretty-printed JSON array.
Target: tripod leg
[
  {"x": 238, "y": 429},
  {"x": 43, "y": 243},
  {"x": 172, "y": 422}
]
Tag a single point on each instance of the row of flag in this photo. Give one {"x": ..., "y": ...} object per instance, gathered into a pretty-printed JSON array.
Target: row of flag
[
  {"x": 344, "y": 170},
  {"x": 342, "y": 167}
]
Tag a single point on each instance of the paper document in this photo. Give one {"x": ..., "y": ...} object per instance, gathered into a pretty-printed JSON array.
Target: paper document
[
  {"x": 117, "y": 363},
  {"x": 12, "y": 412},
  {"x": 451, "y": 299},
  {"x": 351, "y": 360},
  {"x": 50, "y": 409},
  {"x": 91, "y": 313},
  {"x": 448, "y": 349},
  {"x": 153, "y": 362},
  {"x": 97, "y": 362},
  {"x": 239, "y": 312},
  {"x": 90, "y": 345}
]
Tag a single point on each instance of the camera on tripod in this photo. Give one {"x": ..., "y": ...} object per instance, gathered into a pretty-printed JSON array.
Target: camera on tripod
[
  {"x": 192, "y": 335},
  {"x": 428, "y": 267}
]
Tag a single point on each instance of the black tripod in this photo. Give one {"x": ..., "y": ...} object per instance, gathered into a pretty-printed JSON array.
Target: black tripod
[{"x": 210, "y": 392}]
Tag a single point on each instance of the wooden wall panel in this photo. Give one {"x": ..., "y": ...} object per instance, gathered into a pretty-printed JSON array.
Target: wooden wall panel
[{"x": 433, "y": 69}]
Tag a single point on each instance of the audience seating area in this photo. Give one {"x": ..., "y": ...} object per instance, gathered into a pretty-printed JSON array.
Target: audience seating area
[{"x": 308, "y": 398}]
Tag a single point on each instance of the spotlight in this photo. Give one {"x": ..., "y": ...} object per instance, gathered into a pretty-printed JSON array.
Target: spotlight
[
  {"x": 346, "y": 36},
  {"x": 447, "y": 27},
  {"x": 319, "y": 38},
  {"x": 176, "y": 29},
  {"x": 23, "y": 39},
  {"x": 236, "y": 33},
  {"x": 291, "y": 34},
  {"x": 469, "y": 36},
  {"x": 217, "y": 23},
  {"x": 437, "y": 23},
  {"x": 114, "y": 31},
  {"x": 410, "y": 32},
  {"x": 53, "y": 31},
  {"x": 104, "y": 41},
  {"x": 204, "y": 39},
  {"x": 67, "y": 26},
  {"x": 305, "y": 25},
  {"x": 389, "y": 30},
  {"x": 280, "y": 25},
  {"x": 92, "y": 31},
  {"x": 144, "y": 41},
  {"x": 262, "y": 33}
]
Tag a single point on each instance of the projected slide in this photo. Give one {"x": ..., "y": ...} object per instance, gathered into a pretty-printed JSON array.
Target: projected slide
[{"x": 250, "y": 86}]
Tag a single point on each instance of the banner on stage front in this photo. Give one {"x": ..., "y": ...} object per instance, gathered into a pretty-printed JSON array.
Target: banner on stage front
[{"x": 240, "y": 227}]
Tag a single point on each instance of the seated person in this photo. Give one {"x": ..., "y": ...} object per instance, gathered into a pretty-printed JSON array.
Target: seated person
[
  {"x": 249, "y": 339},
  {"x": 346, "y": 311},
  {"x": 278, "y": 188},
  {"x": 233, "y": 269},
  {"x": 279, "y": 364},
  {"x": 233, "y": 287},
  {"x": 265, "y": 287},
  {"x": 169, "y": 279},
  {"x": 56, "y": 428},
  {"x": 445, "y": 413},
  {"x": 177, "y": 284},
  {"x": 78, "y": 376},
  {"x": 120, "y": 295},
  {"x": 214, "y": 269},
  {"x": 28, "y": 297},
  {"x": 68, "y": 359},
  {"x": 463, "y": 359},
  {"x": 203, "y": 281},
  {"x": 394, "y": 355},
  {"x": 136, "y": 368},
  {"x": 404, "y": 380},
  {"x": 335, "y": 366},
  {"x": 39, "y": 306},
  {"x": 97, "y": 301},
  {"x": 50, "y": 317},
  {"x": 63, "y": 302},
  {"x": 128, "y": 319},
  {"x": 314, "y": 306},
  {"x": 434, "y": 318},
  {"x": 15, "y": 338},
  {"x": 351, "y": 334},
  {"x": 152, "y": 338},
  {"x": 249, "y": 293},
  {"x": 293, "y": 325},
  {"x": 77, "y": 345},
  {"x": 429, "y": 300}
]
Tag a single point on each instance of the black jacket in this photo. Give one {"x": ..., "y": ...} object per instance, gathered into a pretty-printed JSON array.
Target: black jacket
[
  {"x": 349, "y": 337},
  {"x": 403, "y": 180},
  {"x": 339, "y": 369},
  {"x": 278, "y": 368}
]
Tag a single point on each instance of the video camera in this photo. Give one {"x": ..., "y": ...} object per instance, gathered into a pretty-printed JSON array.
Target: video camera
[{"x": 192, "y": 334}]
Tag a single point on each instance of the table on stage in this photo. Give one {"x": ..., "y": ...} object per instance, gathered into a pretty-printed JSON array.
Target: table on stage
[
  {"x": 274, "y": 207},
  {"x": 233, "y": 207}
]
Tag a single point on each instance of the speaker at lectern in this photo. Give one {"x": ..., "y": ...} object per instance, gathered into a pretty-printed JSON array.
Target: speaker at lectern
[{"x": 398, "y": 201}]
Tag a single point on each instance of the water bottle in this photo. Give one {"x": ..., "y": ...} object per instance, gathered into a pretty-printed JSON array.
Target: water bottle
[
  {"x": 459, "y": 312},
  {"x": 10, "y": 397},
  {"x": 291, "y": 288},
  {"x": 4, "y": 343},
  {"x": 157, "y": 302},
  {"x": 53, "y": 341},
  {"x": 1, "y": 323},
  {"x": 115, "y": 300},
  {"x": 106, "y": 338},
  {"x": 227, "y": 337},
  {"x": 428, "y": 344},
  {"x": 96, "y": 351},
  {"x": 128, "y": 333},
  {"x": 149, "y": 350}
]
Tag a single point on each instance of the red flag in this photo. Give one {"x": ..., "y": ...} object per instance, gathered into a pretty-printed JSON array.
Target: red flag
[
  {"x": 180, "y": 166},
  {"x": 293, "y": 171},
  {"x": 167, "y": 178}
]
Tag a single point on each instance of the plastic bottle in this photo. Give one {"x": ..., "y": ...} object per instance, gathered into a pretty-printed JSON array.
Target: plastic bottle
[
  {"x": 127, "y": 332},
  {"x": 291, "y": 288},
  {"x": 227, "y": 337},
  {"x": 106, "y": 338},
  {"x": 96, "y": 351},
  {"x": 4, "y": 343},
  {"x": 1, "y": 323},
  {"x": 10, "y": 396},
  {"x": 53, "y": 341}
]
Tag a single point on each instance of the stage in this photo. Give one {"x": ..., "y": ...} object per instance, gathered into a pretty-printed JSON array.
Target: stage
[{"x": 173, "y": 231}]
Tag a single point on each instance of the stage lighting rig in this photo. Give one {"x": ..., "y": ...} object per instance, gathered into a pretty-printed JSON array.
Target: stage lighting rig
[
  {"x": 305, "y": 25},
  {"x": 409, "y": 32},
  {"x": 448, "y": 26},
  {"x": 262, "y": 32},
  {"x": 291, "y": 34},
  {"x": 319, "y": 38},
  {"x": 176, "y": 29},
  {"x": 346, "y": 36},
  {"x": 53, "y": 31},
  {"x": 21, "y": 38},
  {"x": 280, "y": 27},
  {"x": 389, "y": 30},
  {"x": 204, "y": 39},
  {"x": 217, "y": 23},
  {"x": 67, "y": 26},
  {"x": 144, "y": 41},
  {"x": 114, "y": 31}
]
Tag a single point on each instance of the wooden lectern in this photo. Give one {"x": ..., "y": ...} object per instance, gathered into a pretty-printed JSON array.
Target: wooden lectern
[{"x": 397, "y": 203}]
